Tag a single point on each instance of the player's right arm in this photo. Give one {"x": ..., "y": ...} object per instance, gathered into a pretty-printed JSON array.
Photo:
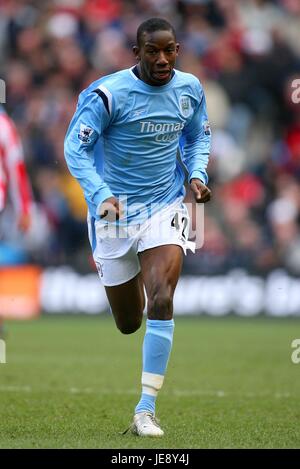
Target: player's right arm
[{"x": 87, "y": 125}]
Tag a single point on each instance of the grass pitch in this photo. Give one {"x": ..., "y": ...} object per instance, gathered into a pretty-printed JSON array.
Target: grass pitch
[{"x": 73, "y": 382}]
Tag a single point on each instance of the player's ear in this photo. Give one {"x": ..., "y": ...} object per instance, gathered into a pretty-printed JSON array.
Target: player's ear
[
  {"x": 136, "y": 52},
  {"x": 177, "y": 48}
]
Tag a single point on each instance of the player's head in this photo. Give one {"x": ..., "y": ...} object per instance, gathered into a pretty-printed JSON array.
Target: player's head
[{"x": 156, "y": 50}]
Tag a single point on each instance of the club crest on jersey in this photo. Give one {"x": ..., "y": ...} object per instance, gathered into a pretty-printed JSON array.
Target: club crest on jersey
[
  {"x": 85, "y": 133},
  {"x": 185, "y": 106}
]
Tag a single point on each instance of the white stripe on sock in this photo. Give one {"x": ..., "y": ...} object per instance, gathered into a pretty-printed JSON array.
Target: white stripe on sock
[{"x": 151, "y": 383}]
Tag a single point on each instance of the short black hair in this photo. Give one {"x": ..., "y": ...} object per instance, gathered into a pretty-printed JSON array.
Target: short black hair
[{"x": 151, "y": 25}]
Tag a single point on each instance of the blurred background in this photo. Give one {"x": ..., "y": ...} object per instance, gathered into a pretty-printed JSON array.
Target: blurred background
[{"x": 247, "y": 56}]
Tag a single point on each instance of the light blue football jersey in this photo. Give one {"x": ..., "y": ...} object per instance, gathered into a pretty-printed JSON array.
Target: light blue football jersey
[{"x": 125, "y": 137}]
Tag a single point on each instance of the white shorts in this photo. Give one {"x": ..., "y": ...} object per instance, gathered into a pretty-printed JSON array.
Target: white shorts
[{"x": 115, "y": 251}]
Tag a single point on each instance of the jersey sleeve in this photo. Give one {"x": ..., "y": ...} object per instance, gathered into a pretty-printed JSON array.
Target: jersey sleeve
[
  {"x": 88, "y": 123},
  {"x": 195, "y": 142}
]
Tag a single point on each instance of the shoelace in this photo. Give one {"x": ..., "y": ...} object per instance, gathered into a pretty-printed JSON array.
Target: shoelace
[{"x": 153, "y": 418}]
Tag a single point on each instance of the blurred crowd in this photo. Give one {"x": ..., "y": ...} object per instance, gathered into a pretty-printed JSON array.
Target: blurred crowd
[{"x": 246, "y": 54}]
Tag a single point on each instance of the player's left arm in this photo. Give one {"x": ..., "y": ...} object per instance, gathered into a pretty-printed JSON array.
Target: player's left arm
[
  {"x": 201, "y": 192},
  {"x": 196, "y": 150}
]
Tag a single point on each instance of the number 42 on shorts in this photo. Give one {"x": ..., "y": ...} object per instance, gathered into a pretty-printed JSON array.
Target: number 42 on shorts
[{"x": 180, "y": 222}]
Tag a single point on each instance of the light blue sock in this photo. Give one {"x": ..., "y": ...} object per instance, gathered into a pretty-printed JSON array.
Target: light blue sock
[{"x": 156, "y": 351}]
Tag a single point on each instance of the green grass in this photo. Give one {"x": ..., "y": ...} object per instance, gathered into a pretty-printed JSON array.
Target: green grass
[{"x": 73, "y": 382}]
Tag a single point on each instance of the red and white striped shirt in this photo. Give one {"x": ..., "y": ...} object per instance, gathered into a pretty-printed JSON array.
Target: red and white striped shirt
[{"x": 13, "y": 176}]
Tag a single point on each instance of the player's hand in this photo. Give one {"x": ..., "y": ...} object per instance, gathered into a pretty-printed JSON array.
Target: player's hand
[
  {"x": 111, "y": 209},
  {"x": 201, "y": 193}
]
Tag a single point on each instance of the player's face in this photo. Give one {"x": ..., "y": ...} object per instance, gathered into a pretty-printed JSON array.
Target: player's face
[{"x": 157, "y": 56}]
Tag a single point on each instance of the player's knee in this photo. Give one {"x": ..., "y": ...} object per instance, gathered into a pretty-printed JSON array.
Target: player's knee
[
  {"x": 129, "y": 327},
  {"x": 160, "y": 305}
]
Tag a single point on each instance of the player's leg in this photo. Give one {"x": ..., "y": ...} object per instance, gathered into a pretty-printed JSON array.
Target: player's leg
[
  {"x": 127, "y": 302},
  {"x": 120, "y": 276},
  {"x": 161, "y": 267}
]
